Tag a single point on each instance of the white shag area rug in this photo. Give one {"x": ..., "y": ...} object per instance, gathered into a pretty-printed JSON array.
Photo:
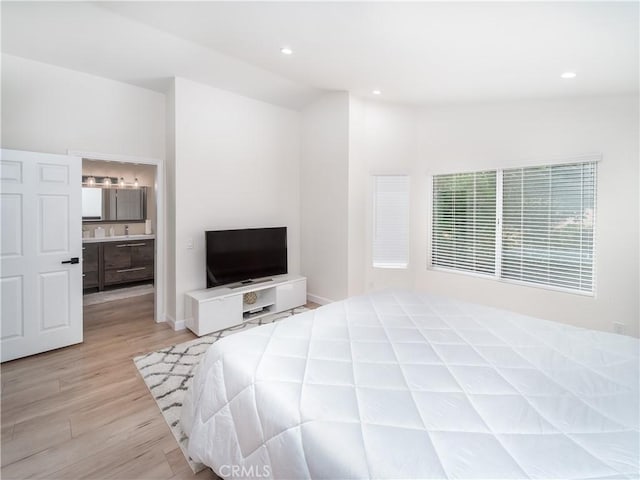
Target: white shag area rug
[{"x": 168, "y": 373}]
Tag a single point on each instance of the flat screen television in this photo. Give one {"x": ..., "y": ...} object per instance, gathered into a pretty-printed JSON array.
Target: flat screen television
[{"x": 244, "y": 255}]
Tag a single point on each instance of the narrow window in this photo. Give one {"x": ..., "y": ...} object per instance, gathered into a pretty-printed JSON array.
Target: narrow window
[{"x": 391, "y": 221}]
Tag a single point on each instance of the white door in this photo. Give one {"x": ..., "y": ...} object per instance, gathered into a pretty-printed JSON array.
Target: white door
[{"x": 41, "y": 217}]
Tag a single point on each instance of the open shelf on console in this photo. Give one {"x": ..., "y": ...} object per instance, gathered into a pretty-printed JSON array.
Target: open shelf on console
[
  {"x": 258, "y": 305},
  {"x": 246, "y": 316},
  {"x": 263, "y": 297}
]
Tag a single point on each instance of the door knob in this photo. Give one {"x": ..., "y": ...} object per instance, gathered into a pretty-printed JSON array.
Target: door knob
[{"x": 72, "y": 260}]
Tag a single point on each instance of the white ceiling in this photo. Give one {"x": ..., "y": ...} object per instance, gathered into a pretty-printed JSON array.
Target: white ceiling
[
  {"x": 428, "y": 52},
  {"x": 86, "y": 37}
]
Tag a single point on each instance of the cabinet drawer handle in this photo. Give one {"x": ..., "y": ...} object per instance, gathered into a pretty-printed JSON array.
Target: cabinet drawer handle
[
  {"x": 136, "y": 244},
  {"x": 84, "y": 275},
  {"x": 84, "y": 248},
  {"x": 131, "y": 269},
  {"x": 123, "y": 245}
]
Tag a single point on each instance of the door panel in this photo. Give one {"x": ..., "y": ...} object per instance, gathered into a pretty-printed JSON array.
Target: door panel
[
  {"x": 12, "y": 317},
  {"x": 54, "y": 294},
  {"x": 53, "y": 214},
  {"x": 11, "y": 211},
  {"x": 10, "y": 171},
  {"x": 41, "y": 228},
  {"x": 51, "y": 173}
]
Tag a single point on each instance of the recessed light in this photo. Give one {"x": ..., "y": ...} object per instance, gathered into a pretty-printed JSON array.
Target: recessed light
[
  {"x": 286, "y": 51},
  {"x": 568, "y": 75},
  {"x": 377, "y": 92}
]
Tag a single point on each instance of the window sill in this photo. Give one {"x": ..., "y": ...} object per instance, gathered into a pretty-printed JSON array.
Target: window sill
[{"x": 392, "y": 266}]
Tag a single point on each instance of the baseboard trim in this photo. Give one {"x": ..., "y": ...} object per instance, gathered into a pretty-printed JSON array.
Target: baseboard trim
[
  {"x": 318, "y": 299},
  {"x": 175, "y": 325}
]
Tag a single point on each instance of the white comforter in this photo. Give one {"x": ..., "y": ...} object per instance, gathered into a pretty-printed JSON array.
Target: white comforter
[{"x": 408, "y": 385}]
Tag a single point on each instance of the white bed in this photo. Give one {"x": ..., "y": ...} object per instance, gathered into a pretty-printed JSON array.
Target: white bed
[{"x": 407, "y": 385}]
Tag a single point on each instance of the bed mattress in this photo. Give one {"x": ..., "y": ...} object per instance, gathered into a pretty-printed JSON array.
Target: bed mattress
[{"x": 403, "y": 384}]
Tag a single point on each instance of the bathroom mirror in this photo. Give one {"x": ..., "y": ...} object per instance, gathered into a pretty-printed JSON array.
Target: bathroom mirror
[{"x": 110, "y": 205}]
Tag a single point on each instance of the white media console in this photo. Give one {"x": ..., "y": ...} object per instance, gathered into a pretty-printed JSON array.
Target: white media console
[{"x": 216, "y": 308}]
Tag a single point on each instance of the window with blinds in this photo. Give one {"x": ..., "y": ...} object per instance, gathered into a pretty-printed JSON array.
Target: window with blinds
[
  {"x": 533, "y": 225},
  {"x": 548, "y": 225},
  {"x": 391, "y": 221},
  {"x": 464, "y": 222}
]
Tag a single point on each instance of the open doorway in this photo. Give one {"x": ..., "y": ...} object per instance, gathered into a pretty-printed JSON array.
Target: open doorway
[{"x": 119, "y": 232}]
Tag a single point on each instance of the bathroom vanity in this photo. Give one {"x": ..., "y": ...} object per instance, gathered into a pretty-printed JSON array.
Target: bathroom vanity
[{"x": 117, "y": 261}]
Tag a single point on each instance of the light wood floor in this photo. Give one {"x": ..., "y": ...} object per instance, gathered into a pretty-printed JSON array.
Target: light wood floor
[{"x": 84, "y": 412}]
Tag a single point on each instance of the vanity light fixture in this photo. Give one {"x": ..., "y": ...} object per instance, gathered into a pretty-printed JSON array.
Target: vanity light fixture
[
  {"x": 122, "y": 182},
  {"x": 91, "y": 181},
  {"x": 377, "y": 92},
  {"x": 286, "y": 51},
  {"x": 106, "y": 182},
  {"x": 135, "y": 182}
]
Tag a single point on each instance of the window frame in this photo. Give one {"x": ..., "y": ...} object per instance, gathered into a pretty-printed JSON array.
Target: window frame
[{"x": 499, "y": 223}]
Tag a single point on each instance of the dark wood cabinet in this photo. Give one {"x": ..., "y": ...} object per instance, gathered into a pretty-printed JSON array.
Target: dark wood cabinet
[
  {"x": 142, "y": 253},
  {"x": 130, "y": 261},
  {"x": 116, "y": 263},
  {"x": 116, "y": 255},
  {"x": 126, "y": 275},
  {"x": 90, "y": 265}
]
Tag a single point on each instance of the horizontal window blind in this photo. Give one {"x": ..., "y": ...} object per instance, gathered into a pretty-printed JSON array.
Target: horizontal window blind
[
  {"x": 548, "y": 225},
  {"x": 464, "y": 222},
  {"x": 391, "y": 221}
]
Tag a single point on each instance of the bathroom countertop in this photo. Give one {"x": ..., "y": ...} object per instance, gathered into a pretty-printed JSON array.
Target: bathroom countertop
[{"x": 118, "y": 238}]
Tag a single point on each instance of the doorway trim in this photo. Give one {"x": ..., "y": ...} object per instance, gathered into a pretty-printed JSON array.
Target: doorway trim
[{"x": 159, "y": 274}]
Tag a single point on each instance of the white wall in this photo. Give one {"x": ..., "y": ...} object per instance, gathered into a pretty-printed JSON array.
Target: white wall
[
  {"x": 324, "y": 196},
  {"x": 170, "y": 192},
  {"x": 384, "y": 141},
  {"x": 237, "y": 165},
  {"x": 358, "y": 188},
  {"x": 345, "y": 140},
  {"x": 431, "y": 140},
  {"x": 51, "y": 109}
]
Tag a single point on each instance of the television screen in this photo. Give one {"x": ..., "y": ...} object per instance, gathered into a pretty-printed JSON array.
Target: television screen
[{"x": 248, "y": 254}]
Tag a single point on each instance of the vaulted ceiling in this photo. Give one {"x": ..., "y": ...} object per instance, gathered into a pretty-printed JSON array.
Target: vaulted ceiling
[{"x": 414, "y": 52}]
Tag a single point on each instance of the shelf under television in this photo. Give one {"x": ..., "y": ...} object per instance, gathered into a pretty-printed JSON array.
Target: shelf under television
[
  {"x": 265, "y": 303},
  {"x": 267, "y": 310}
]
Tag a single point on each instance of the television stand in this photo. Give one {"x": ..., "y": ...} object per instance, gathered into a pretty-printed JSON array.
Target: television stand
[
  {"x": 222, "y": 307},
  {"x": 250, "y": 282}
]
